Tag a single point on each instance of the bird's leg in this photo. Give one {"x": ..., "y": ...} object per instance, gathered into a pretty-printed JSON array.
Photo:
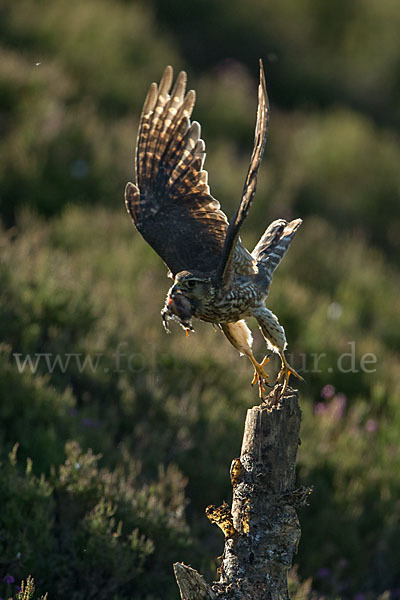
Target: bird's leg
[
  {"x": 275, "y": 335},
  {"x": 260, "y": 376},
  {"x": 285, "y": 372},
  {"x": 240, "y": 337},
  {"x": 259, "y": 372}
]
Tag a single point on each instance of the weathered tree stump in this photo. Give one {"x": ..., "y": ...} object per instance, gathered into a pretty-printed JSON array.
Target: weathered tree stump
[{"x": 261, "y": 530}]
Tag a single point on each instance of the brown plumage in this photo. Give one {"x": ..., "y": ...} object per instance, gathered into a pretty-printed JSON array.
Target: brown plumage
[{"x": 215, "y": 278}]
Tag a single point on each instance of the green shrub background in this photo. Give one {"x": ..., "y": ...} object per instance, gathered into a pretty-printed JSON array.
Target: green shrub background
[{"x": 106, "y": 470}]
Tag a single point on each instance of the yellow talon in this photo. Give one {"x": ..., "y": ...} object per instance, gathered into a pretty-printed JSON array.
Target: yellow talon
[
  {"x": 285, "y": 372},
  {"x": 260, "y": 375}
]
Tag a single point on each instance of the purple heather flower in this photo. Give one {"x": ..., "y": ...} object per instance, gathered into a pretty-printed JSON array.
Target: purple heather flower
[
  {"x": 339, "y": 405},
  {"x": 8, "y": 579},
  {"x": 328, "y": 391},
  {"x": 90, "y": 423},
  {"x": 371, "y": 426},
  {"x": 320, "y": 408},
  {"x": 323, "y": 572}
]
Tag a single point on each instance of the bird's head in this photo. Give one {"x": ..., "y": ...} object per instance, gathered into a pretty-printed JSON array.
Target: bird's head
[
  {"x": 185, "y": 297},
  {"x": 193, "y": 285}
]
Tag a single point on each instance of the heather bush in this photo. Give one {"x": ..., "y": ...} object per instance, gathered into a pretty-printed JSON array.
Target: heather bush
[{"x": 88, "y": 531}]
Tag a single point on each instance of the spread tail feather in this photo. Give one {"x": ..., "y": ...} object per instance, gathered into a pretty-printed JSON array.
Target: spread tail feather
[{"x": 274, "y": 243}]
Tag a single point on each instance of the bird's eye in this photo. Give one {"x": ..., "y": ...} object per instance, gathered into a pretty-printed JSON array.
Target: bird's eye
[{"x": 191, "y": 283}]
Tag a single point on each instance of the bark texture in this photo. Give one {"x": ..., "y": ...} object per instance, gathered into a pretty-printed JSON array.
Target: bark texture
[{"x": 261, "y": 529}]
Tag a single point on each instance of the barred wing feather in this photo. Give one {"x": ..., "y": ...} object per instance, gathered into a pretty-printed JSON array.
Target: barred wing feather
[
  {"x": 171, "y": 205},
  {"x": 233, "y": 247}
]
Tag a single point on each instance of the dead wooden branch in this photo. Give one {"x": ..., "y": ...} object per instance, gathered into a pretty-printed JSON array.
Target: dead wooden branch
[{"x": 261, "y": 529}]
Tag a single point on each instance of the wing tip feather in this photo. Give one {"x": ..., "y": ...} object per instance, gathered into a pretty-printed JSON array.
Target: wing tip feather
[
  {"x": 263, "y": 94},
  {"x": 150, "y": 99},
  {"x": 166, "y": 80},
  {"x": 132, "y": 195},
  {"x": 293, "y": 226}
]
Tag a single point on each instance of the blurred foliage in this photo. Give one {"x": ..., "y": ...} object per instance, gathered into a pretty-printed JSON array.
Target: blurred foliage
[
  {"x": 90, "y": 532},
  {"x": 25, "y": 591},
  {"x": 114, "y": 436}
]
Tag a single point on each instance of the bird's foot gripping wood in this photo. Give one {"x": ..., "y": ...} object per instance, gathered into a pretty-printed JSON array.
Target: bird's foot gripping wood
[
  {"x": 285, "y": 372},
  {"x": 260, "y": 376}
]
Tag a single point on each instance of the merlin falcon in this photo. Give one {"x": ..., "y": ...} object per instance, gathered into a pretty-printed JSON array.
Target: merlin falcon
[{"x": 216, "y": 279}]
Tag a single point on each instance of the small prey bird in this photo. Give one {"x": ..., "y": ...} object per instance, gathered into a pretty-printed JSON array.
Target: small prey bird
[{"x": 216, "y": 279}]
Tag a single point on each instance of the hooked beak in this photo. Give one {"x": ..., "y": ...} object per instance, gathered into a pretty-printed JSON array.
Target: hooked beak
[
  {"x": 178, "y": 307},
  {"x": 174, "y": 291}
]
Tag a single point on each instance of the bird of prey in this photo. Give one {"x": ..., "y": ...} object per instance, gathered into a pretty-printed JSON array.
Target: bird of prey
[{"x": 216, "y": 279}]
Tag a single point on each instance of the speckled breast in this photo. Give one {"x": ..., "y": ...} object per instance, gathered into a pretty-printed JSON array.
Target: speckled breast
[{"x": 233, "y": 305}]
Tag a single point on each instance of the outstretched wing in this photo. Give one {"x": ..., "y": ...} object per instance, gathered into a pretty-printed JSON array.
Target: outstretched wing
[
  {"x": 171, "y": 204},
  {"x": 232, "y": 244}
]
